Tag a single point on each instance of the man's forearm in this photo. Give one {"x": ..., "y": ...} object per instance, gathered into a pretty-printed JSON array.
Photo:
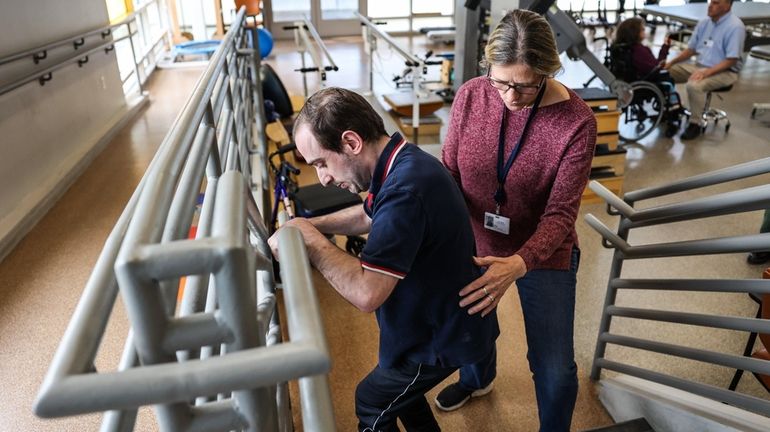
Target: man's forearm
[
  {"x": 350, "y": 221},
  {"x": 363, "y": 289},
  {"x": 684, "y": 55},
  {"x": 342, "y": 270}
]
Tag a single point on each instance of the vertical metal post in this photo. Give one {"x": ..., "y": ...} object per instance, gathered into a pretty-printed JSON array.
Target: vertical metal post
[
  {"x": 609, "y": 300},
  {"x": 133, "y": 56},
  {"x": 416, "y": 77},
  {"x": 371, "y": 42}
]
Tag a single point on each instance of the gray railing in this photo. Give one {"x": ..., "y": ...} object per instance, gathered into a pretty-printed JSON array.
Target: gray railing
[
  {"x": 416, "y": 66},
  {"x": 741, "y": 200},
  {"x": 215, "y": 362},
  {"x": 40, "y": 64}
]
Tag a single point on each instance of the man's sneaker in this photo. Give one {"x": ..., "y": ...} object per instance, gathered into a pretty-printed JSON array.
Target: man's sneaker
[
  {"x": 693, "y": 131},
  {"x": 454, "y": 396},
  {"x": 758, "y": 257}
]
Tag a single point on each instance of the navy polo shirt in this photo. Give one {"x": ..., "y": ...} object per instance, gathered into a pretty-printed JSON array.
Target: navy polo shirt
[{"x": 421, "y": 234}]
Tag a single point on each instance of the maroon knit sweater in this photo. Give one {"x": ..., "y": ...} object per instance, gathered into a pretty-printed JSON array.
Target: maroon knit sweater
[{"x": 546, "y": 180}]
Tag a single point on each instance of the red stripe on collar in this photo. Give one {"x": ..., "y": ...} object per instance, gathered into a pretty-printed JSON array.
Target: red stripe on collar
[{"x": 391, "y": 157}]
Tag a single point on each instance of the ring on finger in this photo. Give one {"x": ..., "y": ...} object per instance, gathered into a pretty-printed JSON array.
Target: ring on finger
[
  {"x": 485, "y": 291},
  {"x": 491, "y": 297}
]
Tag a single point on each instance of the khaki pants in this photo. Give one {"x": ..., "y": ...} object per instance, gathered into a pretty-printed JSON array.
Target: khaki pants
[{"x": 696, "y": 91}]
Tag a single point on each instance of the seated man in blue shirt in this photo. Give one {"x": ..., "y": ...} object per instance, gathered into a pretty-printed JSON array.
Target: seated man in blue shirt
[
  {"x": 415, "y": 262},
  {"x": 718, "y": 42}
]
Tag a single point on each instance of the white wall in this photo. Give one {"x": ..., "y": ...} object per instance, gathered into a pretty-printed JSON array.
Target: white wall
[{"x": 47, "y": 131}]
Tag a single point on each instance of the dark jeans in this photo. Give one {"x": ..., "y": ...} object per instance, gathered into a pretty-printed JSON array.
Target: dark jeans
[
  {"x": 387, "y": 394},
  {"x": 548, "y": 304}
]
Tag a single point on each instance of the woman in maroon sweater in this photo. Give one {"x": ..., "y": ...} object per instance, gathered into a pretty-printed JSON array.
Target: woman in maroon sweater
[
  {"x": 631, "y": 33},
  {"x": 523, "y": 202}
]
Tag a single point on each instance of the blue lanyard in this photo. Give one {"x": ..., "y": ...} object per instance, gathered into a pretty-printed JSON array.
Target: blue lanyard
[{"x": 502, "y": 171}]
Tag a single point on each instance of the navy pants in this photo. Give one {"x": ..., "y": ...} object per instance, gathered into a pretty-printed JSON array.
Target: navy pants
[
  {"x": 387, "y": 394},
  {"x": 548, "y": 305}
]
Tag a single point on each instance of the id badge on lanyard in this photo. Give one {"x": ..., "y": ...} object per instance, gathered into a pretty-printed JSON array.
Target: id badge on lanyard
[{"x": 495, "y": 221}]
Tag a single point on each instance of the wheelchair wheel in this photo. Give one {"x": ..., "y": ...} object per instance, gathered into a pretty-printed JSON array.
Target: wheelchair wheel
[{"x": 643, "y": 114}]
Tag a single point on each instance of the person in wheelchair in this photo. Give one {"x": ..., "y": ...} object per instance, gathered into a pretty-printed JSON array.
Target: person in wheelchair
[{"x": 632, "y": 61}]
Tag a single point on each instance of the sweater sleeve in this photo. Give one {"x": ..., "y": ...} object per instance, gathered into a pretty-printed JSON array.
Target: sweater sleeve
[
  {"x": 452, "y": 141},
  {"x": 564, "y": 200},
  {"x": 643, "y": 60}
]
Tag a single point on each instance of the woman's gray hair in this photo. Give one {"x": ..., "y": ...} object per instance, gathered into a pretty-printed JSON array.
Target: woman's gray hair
[{"x": 525, "y": 38}]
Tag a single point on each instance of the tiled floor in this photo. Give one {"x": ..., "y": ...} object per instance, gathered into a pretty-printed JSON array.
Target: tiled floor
[{"x": 41, "y": 281}]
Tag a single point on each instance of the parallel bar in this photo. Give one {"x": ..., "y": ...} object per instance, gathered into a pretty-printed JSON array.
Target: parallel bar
[
  {"x": 387, "y": 38},
  {"x": 305, "y": 324},
  {"x": 321, "y": 44}
]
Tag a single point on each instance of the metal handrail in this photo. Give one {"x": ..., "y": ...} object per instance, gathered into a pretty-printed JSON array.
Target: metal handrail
[
  {"x": 747, "y": 243},
  {"x": 105, "y": 31},
  {"x": 387, "y": 38},
  {"x": 735, "y": 172},
  {"x": 40, "y": 55},
  {"x": 749, "y": 199},
  {"x": 301, "y": 30},
  {"x": 44, "y": 75},
  {"x": 228, "y": 325},
  {"x": 742, "y": 200},
  {"x": 415, "y": 65},
  {"x": 317, "y": 38}
]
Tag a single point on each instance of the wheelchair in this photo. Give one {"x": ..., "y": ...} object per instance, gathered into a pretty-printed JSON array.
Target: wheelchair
[{"x": 655, "y": 99}]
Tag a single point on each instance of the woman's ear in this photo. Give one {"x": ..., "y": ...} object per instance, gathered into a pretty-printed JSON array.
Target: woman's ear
[{"x": 352, "y": 142}]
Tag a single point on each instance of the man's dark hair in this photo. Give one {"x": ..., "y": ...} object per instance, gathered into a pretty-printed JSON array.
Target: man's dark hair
[{"x": 332, "y": 111}]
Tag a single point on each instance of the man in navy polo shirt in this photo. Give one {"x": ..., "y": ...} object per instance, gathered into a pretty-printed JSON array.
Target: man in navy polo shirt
[{"x": 416, "y": 259}]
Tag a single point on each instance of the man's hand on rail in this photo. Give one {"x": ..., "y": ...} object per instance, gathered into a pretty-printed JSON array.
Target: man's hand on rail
[{"x": 309, "y": 233}]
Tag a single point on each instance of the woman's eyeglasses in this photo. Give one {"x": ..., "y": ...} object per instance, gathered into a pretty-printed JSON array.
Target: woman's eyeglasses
[{"x": 524, "y": 89}]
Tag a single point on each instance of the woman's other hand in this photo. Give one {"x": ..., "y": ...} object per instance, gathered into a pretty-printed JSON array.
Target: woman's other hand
[{"x": 485, "y": 292}]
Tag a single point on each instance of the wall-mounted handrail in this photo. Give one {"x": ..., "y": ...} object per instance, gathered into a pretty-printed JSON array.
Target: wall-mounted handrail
[
  {"x": 75, "y": 57},
  {"x": 228, "y": 324},
  {"x": 45, "y": 64},
  {"x": 105, "y": 31}
]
